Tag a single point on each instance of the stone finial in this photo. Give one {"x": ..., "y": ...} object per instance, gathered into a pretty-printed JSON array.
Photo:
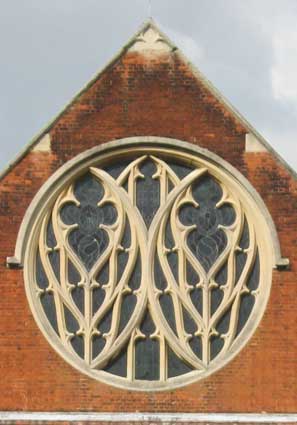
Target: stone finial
[{"x": 150, "y": 39}]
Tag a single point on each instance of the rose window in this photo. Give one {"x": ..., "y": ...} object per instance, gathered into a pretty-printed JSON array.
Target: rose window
[{"x": 148, "y": 267}]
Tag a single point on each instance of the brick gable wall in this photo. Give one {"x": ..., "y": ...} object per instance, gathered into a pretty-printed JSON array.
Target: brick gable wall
[{"x": 156, "y": 96}]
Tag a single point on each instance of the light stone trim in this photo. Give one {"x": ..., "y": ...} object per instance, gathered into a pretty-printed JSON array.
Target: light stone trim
[
  {"x": 253, "y": 144},
  {"x": 231, "y": 418},
  {"x": 151, "y": 40},
  {"x": 44, "y": 145}
]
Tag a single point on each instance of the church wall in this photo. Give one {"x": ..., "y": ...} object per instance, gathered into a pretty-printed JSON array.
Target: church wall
[{"x": 149, "y": 95}]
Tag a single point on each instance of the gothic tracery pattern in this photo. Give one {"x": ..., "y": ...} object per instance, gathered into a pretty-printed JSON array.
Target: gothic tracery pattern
[{"x": 149, "y": 270}]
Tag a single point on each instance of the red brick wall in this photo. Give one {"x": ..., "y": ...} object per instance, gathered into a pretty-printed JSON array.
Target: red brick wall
[{"x": 161, "y": 97}]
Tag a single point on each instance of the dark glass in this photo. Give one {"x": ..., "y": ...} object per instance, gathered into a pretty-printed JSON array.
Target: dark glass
[
  {"x": 147, "y": 357},
  {"x": 168, "y": 310},
  {"x": 118, "y": 365},
  {"x": 181, "y": 170},
  {"x": 88, "y": 240},
  {"x": 148, "y": 192},
  {"x": 207, "y": 241},
  {"x": 127, "y": 308},
  {"x": 176, "y": 366},
  {"x": 41, "y": 278},
  {"x": 248, "y": 299},
  {"x": 48, "y": 304}
]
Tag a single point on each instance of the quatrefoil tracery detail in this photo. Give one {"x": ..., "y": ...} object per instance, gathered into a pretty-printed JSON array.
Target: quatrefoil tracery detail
[{"x": 148, "y": 270}]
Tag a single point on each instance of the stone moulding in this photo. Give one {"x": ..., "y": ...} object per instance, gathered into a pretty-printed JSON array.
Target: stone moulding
[{"x": 199, "y": 418}]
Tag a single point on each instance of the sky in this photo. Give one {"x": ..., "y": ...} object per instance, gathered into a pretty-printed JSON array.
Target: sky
[{"x": 49, "y": 49}]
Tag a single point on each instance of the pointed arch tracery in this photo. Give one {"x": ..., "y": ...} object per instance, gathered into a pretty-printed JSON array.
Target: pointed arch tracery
[{"x": 148, "y": 267}]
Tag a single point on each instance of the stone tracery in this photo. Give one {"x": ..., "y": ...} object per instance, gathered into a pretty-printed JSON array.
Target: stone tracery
[{"x": 148, "y": 272}]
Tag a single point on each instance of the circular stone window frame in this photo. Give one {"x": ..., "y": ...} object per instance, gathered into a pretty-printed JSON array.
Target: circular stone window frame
[{"x": 267, "y": 243}]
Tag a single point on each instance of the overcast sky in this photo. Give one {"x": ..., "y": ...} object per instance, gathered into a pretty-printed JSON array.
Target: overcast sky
[{"x": 49, "y": 49}]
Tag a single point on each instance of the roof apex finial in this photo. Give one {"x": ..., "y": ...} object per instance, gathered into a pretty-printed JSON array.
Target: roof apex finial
[{"x": 150, "y": 38}]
